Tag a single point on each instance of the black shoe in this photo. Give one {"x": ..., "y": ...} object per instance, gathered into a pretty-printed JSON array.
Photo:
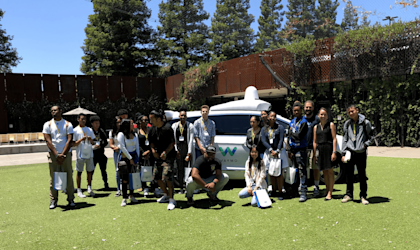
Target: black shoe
[
  {"x": 71, "y": 204},
  {"x": 327, "y": 199},
  {"x": 53, "y": 204},
  {"x": 106, "y": 186}
]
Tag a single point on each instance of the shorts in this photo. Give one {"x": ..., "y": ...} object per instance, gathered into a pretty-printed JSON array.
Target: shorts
[
  {"x": 310, "y": 160},
  {"x": 80, "y": 164},
  {"x": 163, "y": 168}
]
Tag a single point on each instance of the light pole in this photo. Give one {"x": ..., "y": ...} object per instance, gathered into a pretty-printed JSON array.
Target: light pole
[{"x": 391, "y": 19}]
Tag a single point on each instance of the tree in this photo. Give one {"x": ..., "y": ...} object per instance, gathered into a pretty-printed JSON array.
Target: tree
[
  {"x": 8, "y": 56},
  {"x": 118, "y": 39},
  {"x": 325, "y": 19},
  {"x": 350, "y": 19},
  {"x": 269, "y": 26},
  {"x": 231, "y": 34},
  {"x": 300, "y": 19},
  {"x": 183, "y": 34}
]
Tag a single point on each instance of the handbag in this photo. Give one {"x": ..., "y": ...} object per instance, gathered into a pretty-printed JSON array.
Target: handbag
[
  {"x": 290, "y": 175},
  {"x": 59, "y": 180},
  {"x": 263, "y": 200},
  {"x": 86, "y": 151},
  {"x": 146, "y": 172},
  {"x": 187, "y": 174},
  {"x": 275, "y": 167},
  {"x": 134, "y": 179}
]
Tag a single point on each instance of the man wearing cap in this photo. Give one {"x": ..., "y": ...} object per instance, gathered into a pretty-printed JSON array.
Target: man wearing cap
[{"x": 206, "y": 173}]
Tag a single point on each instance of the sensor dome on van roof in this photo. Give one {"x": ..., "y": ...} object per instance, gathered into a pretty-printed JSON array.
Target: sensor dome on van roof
[{"x": 251, "y": 102}]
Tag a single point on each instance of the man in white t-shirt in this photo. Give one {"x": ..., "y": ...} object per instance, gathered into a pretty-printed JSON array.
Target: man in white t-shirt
[
  {"x": 58, "y": 135},
  {"x": 83, "y": 140}
]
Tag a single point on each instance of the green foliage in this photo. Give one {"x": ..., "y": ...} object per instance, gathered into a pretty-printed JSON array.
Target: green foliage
[
  {"x": 325, "y": 19},
  {"x": 192, "y": 90},
  {"x": 118, "y": 39},
  {"x": 301, "y": 47},
  {"x": 269, "y": 24},
  {"x": 183, "y": 34},
  {"x": 350, "y": 19},
  {"x": 231, "y": 34},
  {"x": 300, "y": 19},
  {"x": 8, "y": 56},
  {"x": 31, "y": 116}
]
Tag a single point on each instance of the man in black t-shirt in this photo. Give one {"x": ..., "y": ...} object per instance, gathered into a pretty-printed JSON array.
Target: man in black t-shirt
[
  {"x": 162, "y": 141},
  {"x": 100, "y": 141},
  {"x": 206, "y": 173}
]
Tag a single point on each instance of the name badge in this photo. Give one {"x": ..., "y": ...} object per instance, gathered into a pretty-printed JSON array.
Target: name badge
[
  {"x": 271, "y": 141},
  {"x": 206, "y": 133},
  {"x": 353, "y": 139},
  {"x": 298, "y": 154},
  {"x": 146, "y": 143},
  {"x": 181, "y": 138}
]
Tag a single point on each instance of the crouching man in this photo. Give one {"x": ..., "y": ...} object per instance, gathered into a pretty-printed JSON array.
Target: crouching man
[{"x": 206, "y": 173}]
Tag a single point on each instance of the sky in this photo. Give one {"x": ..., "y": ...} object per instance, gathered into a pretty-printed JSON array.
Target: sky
[{"x": 48, "y": 34}]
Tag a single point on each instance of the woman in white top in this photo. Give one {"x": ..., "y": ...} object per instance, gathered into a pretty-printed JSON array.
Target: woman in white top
[
  {"x": 254, "y": 175},
  {"x": 113, "y": 144},
  {"x": 130, "y": 151}
]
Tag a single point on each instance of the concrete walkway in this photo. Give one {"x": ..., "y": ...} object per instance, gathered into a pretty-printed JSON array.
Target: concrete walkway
[{"x": 33, "y": 158}]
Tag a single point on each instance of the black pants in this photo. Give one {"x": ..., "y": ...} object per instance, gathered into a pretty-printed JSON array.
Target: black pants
[
  {"x": 358, "y": 159},
  {"x": 102, "y": 160},
  {"x": 124, "y": 174},
  {"x": 181, "y": 163}
]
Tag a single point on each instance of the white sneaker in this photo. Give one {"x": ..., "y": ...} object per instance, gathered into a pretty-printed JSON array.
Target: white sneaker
[
  {"x": 124, "y": 203},
  {"x": 90, "y": 192},
  {"x": 146, "y": 192},
  {"x": 133, "y": 199},
  {"x": 163, "y": 199},
  {"x": 158, "y": 192},
  {"x": 197, "y": 191},
  {"x": 80, "y": 194},
  {"x": 172, "y": 204}
]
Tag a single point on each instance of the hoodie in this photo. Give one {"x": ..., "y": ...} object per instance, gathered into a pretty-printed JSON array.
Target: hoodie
[{"x": 362, "y": 141}]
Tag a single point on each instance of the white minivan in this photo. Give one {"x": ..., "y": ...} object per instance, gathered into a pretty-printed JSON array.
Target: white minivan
[{"x": 232, "y": 122}]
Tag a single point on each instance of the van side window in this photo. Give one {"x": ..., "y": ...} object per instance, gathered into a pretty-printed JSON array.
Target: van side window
[{"x": 231, "y": 124}]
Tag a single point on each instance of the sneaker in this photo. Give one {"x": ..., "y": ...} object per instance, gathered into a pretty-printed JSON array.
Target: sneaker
[
  {"x": 71, "y": 204},
  {"x": 212, "y": 197},
  {"x": 181, "y": 191},
  {"x": 283, "y": 190},
  {"x": 146, "y": 192},
  {"x": 163, "y": 199},
  {"x": 364, "y": 201},
  {"x": 90, "y": 192},
  {"x": 158, "y": 192},
  {"x": 172, "y": 204},
  {"x": 133, "y": 199},
  {"x": 190, "y": 201},
  {"x": 345, "y": 199},
  {"x": 53, "y": 204},
  {"x": 124, "y": 203},
  {"x": 118, "y": 193},
  {"x": 80, "y": 194},
  {"x": 302, "y": 197},
  {"x": 197, "y": 191},
  {"x": 280, "y": 198},
  {"x": 316, "y": 191}
]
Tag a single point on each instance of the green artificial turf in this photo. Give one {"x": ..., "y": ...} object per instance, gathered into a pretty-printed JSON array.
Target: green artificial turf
[{"x": 390, "y": 221}]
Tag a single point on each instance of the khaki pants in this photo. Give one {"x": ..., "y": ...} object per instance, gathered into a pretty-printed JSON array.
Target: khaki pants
[{"x": 66, "y": 167}]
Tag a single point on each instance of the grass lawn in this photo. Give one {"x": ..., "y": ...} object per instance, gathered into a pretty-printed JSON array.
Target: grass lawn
[{"x": 390, "y": 221}]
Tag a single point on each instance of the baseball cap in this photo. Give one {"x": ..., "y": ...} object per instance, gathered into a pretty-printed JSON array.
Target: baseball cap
[{"x": 211, "y": 149}]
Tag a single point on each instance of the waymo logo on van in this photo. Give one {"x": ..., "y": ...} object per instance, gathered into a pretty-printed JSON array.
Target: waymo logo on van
[{"x": 227, "y": 150}]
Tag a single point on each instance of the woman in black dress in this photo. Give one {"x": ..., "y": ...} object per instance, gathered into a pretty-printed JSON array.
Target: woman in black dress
[
  {"x": 326, "y": 143},
  {"x": 253, "y": 135}
]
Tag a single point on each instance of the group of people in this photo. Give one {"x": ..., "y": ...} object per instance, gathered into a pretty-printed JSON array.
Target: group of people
[
  {"x": 151, "y": 141},
  {"x": 310, "y": 143}
]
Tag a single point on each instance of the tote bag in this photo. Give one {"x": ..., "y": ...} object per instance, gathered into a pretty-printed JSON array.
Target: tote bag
[
  {"x": 263, "y": 200},
  {"x": 60, "y": 180},
  {"x": 146, "y": 172},
  {"x": 275, "y": 167},
  {"x": 135, "y": 181},
  {"x": 290, "y": 175},
  {"x": 86, "y": 151}
]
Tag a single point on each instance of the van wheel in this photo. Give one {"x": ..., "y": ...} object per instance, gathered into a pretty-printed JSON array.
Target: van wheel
[{"x": 338, "y": 174}]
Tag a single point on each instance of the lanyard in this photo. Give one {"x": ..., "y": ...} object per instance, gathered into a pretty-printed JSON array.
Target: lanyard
[
  {"x": 83, "y": 131},
  {"x": 354, "y": 129},
  {"x": 297, "y": 124},
  {"x": 270, "y": 132},
  {"x": 97, "y": 137},
  {"x": 253, "y": 136},
  {"x": 181, "y": 128},
  {"x": 56, "y": 124},
  {"x": 252, "y": 170},
  {"x": 204, "y": 126},
  {"x": 145, "y": 134}
]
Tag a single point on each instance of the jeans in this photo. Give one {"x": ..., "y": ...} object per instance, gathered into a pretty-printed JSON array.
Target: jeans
[
  {"x": 358, "y": 159},
  {"x": 244, "y": 194},
  {"x": 192, "y": 185},
  {"x": 300, "y": 163}
]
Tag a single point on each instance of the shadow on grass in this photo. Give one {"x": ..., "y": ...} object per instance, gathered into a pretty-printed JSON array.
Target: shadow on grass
[
  {"x": 249, "y": 204},
  {"x": 107, "y": 189},
  {"x": 140, "y": 202},
  {"x": 375, "y": 200},
  {"x": 205, "y": 204},
  {"x": 79, "y": 205},
  {"x": 101, "y": 195}
]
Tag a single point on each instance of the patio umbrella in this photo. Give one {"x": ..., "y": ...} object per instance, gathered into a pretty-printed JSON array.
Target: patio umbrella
[{"x": 79, "y": 110}]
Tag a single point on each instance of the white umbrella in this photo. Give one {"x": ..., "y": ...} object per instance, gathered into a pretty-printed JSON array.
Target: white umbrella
[{"x": 79, "y": 110}]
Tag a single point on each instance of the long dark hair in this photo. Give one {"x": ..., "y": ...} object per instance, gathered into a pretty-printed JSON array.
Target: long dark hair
[
  {"x": 267, "y": 126},
  {"x": 125, "y": 128},
  {"x": 114, "y": 126},
  {"x": 258, "y": 160},
  {"x": 258, "y": 119}
]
